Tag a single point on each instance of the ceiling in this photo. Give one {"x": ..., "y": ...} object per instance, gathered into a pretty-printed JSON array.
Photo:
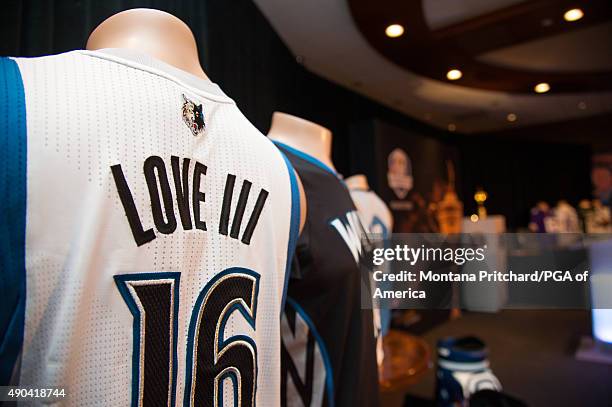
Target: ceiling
[
  {"x": 443, "y": 13},
  {"x": 583, "y": 50},
  {"x": 503, "y": 47}
]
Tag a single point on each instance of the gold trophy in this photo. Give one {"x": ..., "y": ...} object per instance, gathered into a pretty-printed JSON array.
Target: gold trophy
[
  {"x": 450, "y": 208},
  {"x": 480, "y": 197}
]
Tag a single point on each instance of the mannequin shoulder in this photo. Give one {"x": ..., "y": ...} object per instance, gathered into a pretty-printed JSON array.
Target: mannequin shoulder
[{"x": 303, "y": 204}]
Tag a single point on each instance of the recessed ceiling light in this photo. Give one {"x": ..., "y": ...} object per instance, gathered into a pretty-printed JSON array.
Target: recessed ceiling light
[
  {"x": 511, "y": 117},
  {"x": 452, "y": 127},
  {"x": 474, "y": 218},
  {"x": 394, "y": 30},
  {"x": 454, "y": 74},
  {"x": 541, "y": 87},
  {"x": 574, "y": 14}
]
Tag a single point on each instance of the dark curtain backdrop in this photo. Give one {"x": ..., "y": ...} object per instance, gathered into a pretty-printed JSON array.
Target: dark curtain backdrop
[
  {"x": 518, "y": 174},
  {"x": 242, "y": 53},
  {"x": 39, "y": 27},
  {"x": 238, "y": 49}
]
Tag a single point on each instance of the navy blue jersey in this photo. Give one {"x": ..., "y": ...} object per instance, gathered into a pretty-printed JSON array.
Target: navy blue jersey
[{"x": 328, "y": 343}]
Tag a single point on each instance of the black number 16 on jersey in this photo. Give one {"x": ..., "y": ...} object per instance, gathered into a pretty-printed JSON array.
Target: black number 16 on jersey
[{"x": 211, "y": 358}]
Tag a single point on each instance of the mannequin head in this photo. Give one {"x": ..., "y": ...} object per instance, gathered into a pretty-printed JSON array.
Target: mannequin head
[
  {"x": 304, "y": 135},
  {"x": 357, "y": 181},
  {"x": 153, "y": 32}
]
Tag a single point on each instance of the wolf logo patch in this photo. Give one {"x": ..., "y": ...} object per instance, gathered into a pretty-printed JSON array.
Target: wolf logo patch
[{"x": 193, "y": 116}]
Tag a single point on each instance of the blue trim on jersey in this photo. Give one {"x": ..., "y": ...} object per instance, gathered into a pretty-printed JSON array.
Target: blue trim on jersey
[
  {"x": 220, "y": 396},
  {"x": 308, "y": 157},
  {"x": 376, "y": 221},
  {"x": 385, "y": 313},
  {"x": 121, "y": 282},
  {"x": 329, "y": 377},
  {"x": 294, "y": 228},
  {"x": 231, "y": 374},
  {"x": 222, "y": 344},
  {"x": 13, "y": 190}
]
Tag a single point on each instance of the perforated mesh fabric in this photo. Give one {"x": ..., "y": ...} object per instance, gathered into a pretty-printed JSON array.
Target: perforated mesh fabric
[{"x": 86, "y": 112}]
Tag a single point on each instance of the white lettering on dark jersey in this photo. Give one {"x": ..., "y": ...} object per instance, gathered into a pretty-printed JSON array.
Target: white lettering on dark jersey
[
  {"x": 304, "y": 371},
  {"x": 350, "y": 230},
  {"x": 186, "y": 197}
]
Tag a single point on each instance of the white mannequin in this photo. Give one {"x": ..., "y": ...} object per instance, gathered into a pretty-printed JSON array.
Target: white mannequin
[
  {"x": 303, "y": 135},
  {"x": 358, "y": 181},
  {"x": 164, "y": 37}
]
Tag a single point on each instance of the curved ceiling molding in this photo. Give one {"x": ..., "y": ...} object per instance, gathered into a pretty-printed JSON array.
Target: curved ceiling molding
[
  {"x": 432, "y": 53},
  {"x": 324, "y": 38},
  {"x": 442, "y": 13},
  {"x": 587, "y": 49}
]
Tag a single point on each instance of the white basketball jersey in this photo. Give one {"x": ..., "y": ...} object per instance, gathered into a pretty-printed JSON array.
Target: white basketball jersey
[
  {"x": 376, "y": 219},
  {"x": 147, "y": 229},
  {"x": 373, "y": 212}
]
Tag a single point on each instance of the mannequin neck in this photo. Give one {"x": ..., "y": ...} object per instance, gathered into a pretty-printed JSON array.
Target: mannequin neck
[
  {"x": 303, "y": 135},
  {"x": 358, "y": 181},
  {"x": 153, "y": 32}
]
